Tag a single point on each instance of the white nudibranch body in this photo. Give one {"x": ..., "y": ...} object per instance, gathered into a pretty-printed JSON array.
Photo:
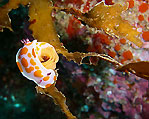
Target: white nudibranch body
[{"x": 37, "y": 62}]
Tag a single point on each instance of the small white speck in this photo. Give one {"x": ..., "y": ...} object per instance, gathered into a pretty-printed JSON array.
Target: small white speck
[
  {"x": 139, "y": 29},
  {"x": 112, "y": 71},
  {"x": 98, "y": 80},
  {"x": 5, "y": 98},
  {"x": 17, "y": 105},
  {"x": 109, "y": 92},
  {"x": 13, "y": 98}
]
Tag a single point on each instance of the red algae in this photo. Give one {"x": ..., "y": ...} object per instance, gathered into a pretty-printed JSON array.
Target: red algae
[
  {"x": 117, "y": 47},
  {"x": 71, "y": 29},
  {"x": 109, "y": 2},
  {"x": 77, "y": 3},
  {"x": 87, "y": 6},
  {"x": 104, "y": 39},
  {"x": 127, "y": 55},
  {"x": 140, "y": 17},
  {"x": 131, "y": 3},
  {"x": 123, "y": 41},
  {"x": 143, "y": 7},
  {"x": 145, "y": 35},
  {"x": 112, "y": 54},
  {"x": 97, "y": 45}
]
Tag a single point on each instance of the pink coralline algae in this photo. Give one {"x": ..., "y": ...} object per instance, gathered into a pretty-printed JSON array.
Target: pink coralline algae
[{"x": 112, "y": 94}]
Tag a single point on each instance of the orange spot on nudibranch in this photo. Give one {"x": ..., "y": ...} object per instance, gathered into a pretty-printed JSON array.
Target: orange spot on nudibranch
[
  {"x": 19, "y": 56},
  {"x": 145, "y": 35},
  {"x": 112, "y": 54},
  {"x": 23, "y": 51},
  {"x": 36, "y": 67},
  {"x": 54, "y": 78},
  {"x": 140, "y": 18},
  {"x": 117, "y": 47},
  {"x": 131, "y": 3},
  {"x": 46, "y": 78},
  {"x": 28, "y": 70},
  {"x": 127, "y": 55},
  {"x": 19, "y": 66},
  {"x": 32, "y": 62},
  {"x": 48, "y": 85},
  {"x": 122, "y": 41},
  {"x": 143, "y": 7},
  {"x": 29, "y": 55},
  {"x": 33, "y": 52},
  {"x": 37, "y": 73},
  {"x": 24, "y": 62}
]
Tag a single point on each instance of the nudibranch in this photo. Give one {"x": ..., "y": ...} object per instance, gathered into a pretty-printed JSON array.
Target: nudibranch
[{"x": 37, "y": 62}]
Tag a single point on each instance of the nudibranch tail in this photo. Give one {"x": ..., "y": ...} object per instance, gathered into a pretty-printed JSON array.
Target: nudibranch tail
[{"x": 37, "y": 62}]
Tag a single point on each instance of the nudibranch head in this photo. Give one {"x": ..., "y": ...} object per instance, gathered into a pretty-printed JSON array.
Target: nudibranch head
[{"x": 37, "y": 61}]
